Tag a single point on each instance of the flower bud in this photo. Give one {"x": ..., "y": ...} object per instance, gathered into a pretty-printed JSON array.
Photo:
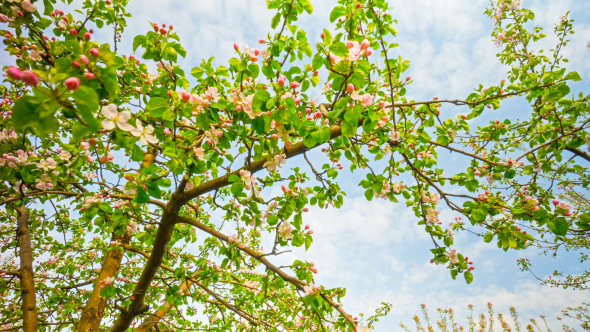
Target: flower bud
[
  {"x": 94, "y": 52},
  {"x": 84, "y": 59},
  {"x": 261, "y": 41},
  {"x": 14, "y": 73},
  {"x": 30, "y": 78},
  {"x": 350, "y": 88},
  {"x": 72, "y": 83},
  {"x": 365, "y": 44},
  {"x": 236, "y": 47},
  {"x": 89, "y": 75},
  {"x": 163, "y": 31},
  {"x": 87, "y": 36},
  {"x": 73, "y": 32}
]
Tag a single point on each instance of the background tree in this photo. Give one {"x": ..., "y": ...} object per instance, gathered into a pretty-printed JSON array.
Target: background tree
[{"x": 144, "y": 158}]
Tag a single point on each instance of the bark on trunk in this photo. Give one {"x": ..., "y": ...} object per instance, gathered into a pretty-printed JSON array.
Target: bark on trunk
[
  {"x": 95, "y": 307},
  {"x": 27, "y": 284}
]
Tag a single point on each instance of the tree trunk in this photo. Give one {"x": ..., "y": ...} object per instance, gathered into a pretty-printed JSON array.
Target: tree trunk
[
  {"x": 94, "y": 309},
  {"x": 27, "y": 284}
]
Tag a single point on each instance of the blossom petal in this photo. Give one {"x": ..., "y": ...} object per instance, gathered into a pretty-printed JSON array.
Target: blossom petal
[
  {"x": 150, "y": 138},
  {"x": 123, "y": 125},
  {"x": 108, "y": 124},
  {"x": 110, "y": 111}
]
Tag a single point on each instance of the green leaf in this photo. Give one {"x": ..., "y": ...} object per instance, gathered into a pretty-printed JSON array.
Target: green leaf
[
  {"x": 509, "y": 174},
  {"x": 488, "y": 238},
  {"x": 79, "y": 130},
  {"x": 336, "y": 13},
  {"x": 559, "y": 226},
  {"x": 197, "y": 72},
  {"x": 392, "y": 29},
  {"x": 48, "y": 7},
  {"x": 585, "y": 218},
  {"x": 468, "y": 277},
  {"x": 573, "y": 76},
  {"x": 306, "y": 4},
  {"x": 36, "y": 113},
  {"x": 233, "y": 178},
  {"x": 318, "y": 62},
  {"x": 275, "y": 21},
  {"x": 156, "y": 106},
  {"x": 348, "y": 130},
  {"x": 141, "y": 197},
  {"x": 237, "y": 188},
  {"x": 260, "y": 99},
  {"x": 137, "y": 153},
  {"x": 339, "y": 49},
  {"x": 352, "y": 115},
  {"x": 87, "y": 103},
  {"x": 272, "y": 220},
  {"x": 369, "y": 194},
  {"x": 139, "y": 40},
  {"x": 27, "y": 174}
]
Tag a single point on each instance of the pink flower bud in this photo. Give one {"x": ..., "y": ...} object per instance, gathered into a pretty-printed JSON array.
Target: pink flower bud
[
  {"x": 72, "y": 83},
  {"x": 281, "y": 82},
  {"x": 365, "y": 44},
  {"x": 73, "y": 32},
  {"x": 185, "y": 96},
  {"x": 84, "y": 59},
  {"x": 350, "y": 88},
  {"x": 163, "y": 31},
  {"x": 369, "y": 52},
  {"x": 87, "y": 36},
  {"x": 30, "y": 78},
  {"x": 14, "y": 73},
  {"x": 89, "y": 75},
  {"x": 94, "y": 52},
  {"x": 322, "y": 35},
  {"x": 555, "y": 202},
  {"x": 156, "y": 27},
  {"x": 294, "y": 85},
  {"x": 349, "y": 44},
  {"x": 408, "y": 78},
  {"x": 171, "y": 27},
  {"x": 236, "y": 47}
]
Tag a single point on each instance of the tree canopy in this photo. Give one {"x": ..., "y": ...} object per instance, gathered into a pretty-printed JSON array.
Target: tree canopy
[{"x": 110, "y": 173}]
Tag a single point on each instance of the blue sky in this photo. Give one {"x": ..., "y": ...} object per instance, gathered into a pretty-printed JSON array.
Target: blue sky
[{"x": 375, "y": 249}]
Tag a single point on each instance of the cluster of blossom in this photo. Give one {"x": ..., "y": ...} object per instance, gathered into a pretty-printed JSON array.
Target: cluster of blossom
[
  {"x": 16, "y": 11},
  {"x": 212, "y": 136},
  {"x": 235, "y": 239},
  {"x": 271, "y": 206},
  {"x": 115, "y": 119},
  {"x": 504, "y": 6},
  {"x": 21, "y": 159},
  {"x": 9, "y": 134},
  {"x": 89, "y": 200},
  {"x": 430, "y": 197},
  {"x": 276, "y": 161},
  {"x": 199, "y": 101},
  {"x": 286, "y": 231},
  {"x": 432, "y": 216},
  {"x": 355, "y": 51},
  {"x": 311, "y": 289},
  {"x": 365, "y": 100}
]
